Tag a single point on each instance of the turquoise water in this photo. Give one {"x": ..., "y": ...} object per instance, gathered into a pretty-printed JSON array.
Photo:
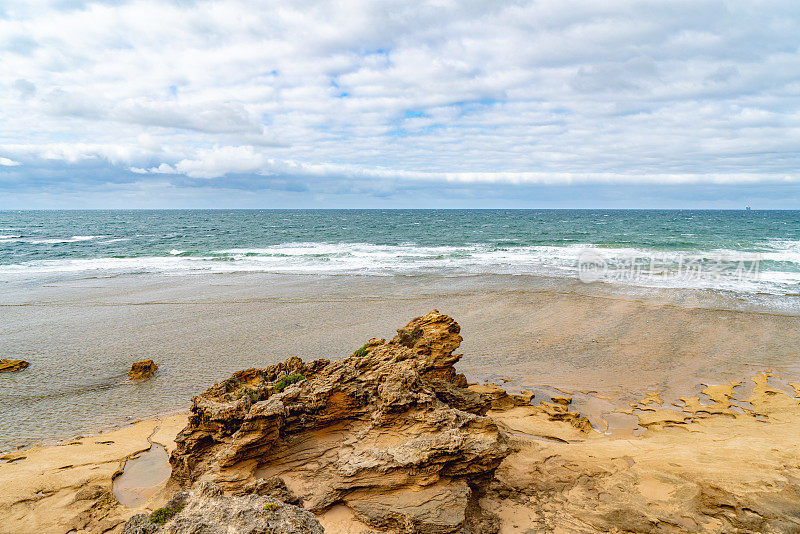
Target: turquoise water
[{"x": 43, "y": 245}]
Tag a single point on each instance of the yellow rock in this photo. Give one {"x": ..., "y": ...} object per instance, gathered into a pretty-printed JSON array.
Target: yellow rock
[
  {"x": 142, "y": 370},
  {"x": 7, "y": 366}
]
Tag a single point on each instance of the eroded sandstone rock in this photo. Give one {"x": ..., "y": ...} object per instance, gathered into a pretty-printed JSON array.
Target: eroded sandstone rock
[
  {"x": 391, "y": 431},
  {"x": 501, "y": 399},
  {"x": 143, "y": 369},
  {"x": 8, "y": 366},
  {"x": 205, "y": 509}
]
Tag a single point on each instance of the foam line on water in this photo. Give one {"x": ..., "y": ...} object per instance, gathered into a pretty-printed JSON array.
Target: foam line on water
[
  {"x": 408, "y": 258},
  {"x": 73, "y": 239}
]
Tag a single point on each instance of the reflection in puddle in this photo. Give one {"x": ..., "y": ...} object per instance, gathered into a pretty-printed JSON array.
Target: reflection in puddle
[
  {"x": 142, "y": 475},
  {"x": 781, "y": 384},
  {"x": 612, "y": 417},
  {"x": 600, "y": 412}
]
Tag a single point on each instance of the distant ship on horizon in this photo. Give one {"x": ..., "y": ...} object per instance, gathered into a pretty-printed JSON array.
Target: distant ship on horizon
[{"x": 747, "y": 208}]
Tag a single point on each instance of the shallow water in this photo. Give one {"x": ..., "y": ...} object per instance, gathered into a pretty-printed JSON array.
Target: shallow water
[
  {"x": 141, "y": 476},
  {"x": 81, "y": 337}
]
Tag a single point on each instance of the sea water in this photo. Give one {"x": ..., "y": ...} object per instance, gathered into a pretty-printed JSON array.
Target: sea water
[{"x": 760, "y": 249}]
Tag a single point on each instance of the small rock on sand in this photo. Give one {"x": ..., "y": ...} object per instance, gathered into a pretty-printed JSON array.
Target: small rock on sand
[
  {"x": 7, "y": 366},
  {"x": 142, "y": 370}
]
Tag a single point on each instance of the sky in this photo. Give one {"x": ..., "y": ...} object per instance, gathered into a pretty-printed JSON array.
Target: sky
[{"x": 440, "y": 104}]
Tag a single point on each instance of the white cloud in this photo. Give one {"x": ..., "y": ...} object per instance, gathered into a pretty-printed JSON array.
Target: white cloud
[
  {"x": 72, "y": 153},
  {"x": 557, "y": 91},
  {"x": 5, "y": 162},
  {"x": 164, "y": 168},
  {"x": 220, "y": 161}
]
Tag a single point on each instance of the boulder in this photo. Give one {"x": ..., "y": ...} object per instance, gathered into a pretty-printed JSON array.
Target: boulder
[
  {"x": 207, "y": 510},
  {"x": 7, "y": 366},
  {"x": 143, "y": 369},
  {"x": 391, "y": 431}
]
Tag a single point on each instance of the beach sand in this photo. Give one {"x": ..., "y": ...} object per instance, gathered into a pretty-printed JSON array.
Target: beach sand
[
  {"x": 710, "y": 467},
  {"x": 64, "y": 487}
]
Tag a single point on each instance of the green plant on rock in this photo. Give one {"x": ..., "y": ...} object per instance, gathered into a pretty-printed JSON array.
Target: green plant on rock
[
  {"x": 361, "y": 352},
  {"x": 271, "y": 506},
  {"x": 162, "y": 515},
  {"x": 281, "y": 384}
]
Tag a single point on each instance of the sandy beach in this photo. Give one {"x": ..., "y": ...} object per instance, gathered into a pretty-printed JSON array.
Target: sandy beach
[{"x": 59, "y": 488}]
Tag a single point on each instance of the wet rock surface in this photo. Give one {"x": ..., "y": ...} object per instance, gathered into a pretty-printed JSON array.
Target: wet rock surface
[
  {"x": 9, "y": 366},
  {"x": 143, "y": 369},
  {"x": 392, "y": 432}
]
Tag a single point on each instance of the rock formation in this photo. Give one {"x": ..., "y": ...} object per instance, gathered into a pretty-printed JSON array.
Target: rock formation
[
  {"x": 391, "y": 431},
  {"x": 206, "y": 510},
  {"x": 7, "y": 366},
  {"x": 143, "y": 369}
]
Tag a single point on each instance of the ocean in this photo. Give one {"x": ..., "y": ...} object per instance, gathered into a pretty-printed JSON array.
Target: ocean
[{"x": 740, "y": 251}]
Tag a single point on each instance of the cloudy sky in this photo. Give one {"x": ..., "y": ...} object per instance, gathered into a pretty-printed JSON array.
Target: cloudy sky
[{"x": 399, "y": 104}]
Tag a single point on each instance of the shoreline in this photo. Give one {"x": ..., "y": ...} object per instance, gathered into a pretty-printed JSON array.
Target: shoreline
[
  {"x": 91, "y": 432},
  {"x": 726, "y": 299},
  {"x": 529, "y": 331}
]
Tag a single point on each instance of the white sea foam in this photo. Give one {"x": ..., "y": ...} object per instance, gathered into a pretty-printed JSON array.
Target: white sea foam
[
  {"x": 9, "y": 237},
  {"x": 73, "y": 239},
  {"x": 116, "y": 265},
  {"x": 411, "y": 259},
  {"x": 782, "y": 250}
]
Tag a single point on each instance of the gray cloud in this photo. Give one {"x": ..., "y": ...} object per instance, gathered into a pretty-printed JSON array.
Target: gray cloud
[
  {"x": 21, "y": 44},
  {"x": 548, "y": 92},
  {"x": 25, "y": 88}
]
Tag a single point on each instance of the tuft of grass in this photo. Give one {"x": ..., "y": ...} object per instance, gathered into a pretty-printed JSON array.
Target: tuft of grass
[
  {"x": 281, "y": 384},
  {"x": 270, "y": 506},
  {"x": 162, "y": 515},
  {"x": 361, "y": 352}
]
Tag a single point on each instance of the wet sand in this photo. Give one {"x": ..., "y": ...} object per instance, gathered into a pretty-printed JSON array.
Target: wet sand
[
  {"x": 61, "y": 488},
  {"x": 709, "y": 467},
  {"x": 82, "y": 335}
]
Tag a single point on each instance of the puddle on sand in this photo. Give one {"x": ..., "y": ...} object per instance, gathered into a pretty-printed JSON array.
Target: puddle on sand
[{"x": 142, "y": 475}]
